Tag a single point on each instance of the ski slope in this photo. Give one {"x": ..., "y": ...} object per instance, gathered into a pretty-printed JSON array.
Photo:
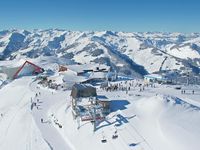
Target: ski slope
[
  {"x": 157, "y": 118},
  {"x": 44, "y": 100},
  {"x": 18, "y": 130},
  {"x": 152, "y": 121}
]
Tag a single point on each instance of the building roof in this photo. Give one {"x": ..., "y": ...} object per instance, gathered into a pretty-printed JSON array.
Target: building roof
[
  {"x": 70, "y": 77},
  {"x": 15, "y": 71},
  {"x": 26, "y": 68},
  {"x": 153, "y": 76},
  {"x": 97, "y": 75},
  {"x": 83, "y": 90},
  {"x": 86, "y": 67}
]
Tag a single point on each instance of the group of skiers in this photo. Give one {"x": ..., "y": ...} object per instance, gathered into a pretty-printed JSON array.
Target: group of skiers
[
  {"x": 183, "y": 91},
  {"x": 127, "y": 86},
  {"x": 35, "y": 101}
]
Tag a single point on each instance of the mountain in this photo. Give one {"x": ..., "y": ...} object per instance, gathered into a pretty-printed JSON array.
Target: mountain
[{"x": 129, "y": 53}]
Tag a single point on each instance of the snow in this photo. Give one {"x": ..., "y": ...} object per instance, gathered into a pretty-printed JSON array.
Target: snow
[
  {"x": 71, "y": 77},
  {"x": 3, "y": 77},
  {"x": 58, "y": 79},
  {"x": 92, "y": 66},
  {"x": 172, "y": 122},
  {"x": 183, "y": 52},
  {"x": 158, "y": 118},
  {"x": 17, "y": 127},
  {"x": 151, "y": 122},
  {"x": 97, "y": 75},
  {"x": 152, "y": 47},
  {"x": 154, "y": 120},
  {"x": 153, "y": 76},
  {"x": 48, "y": 132}
]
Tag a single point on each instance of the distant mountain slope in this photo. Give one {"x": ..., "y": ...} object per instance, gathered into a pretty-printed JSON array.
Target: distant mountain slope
[{"x": 130, "y": 53}]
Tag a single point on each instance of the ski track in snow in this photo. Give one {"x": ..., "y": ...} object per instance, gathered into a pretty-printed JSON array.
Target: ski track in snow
[
  {"x": 131, "y": 133},
  {"x": 50, "y": 134}
]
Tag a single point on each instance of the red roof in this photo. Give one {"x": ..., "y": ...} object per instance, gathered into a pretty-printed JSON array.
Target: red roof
[{"x": 37, "y": 69}]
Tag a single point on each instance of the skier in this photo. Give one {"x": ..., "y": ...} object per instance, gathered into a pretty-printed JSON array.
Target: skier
[{"x": 115, "y": 135}]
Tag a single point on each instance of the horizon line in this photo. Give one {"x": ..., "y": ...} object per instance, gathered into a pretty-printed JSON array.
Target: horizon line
[{"x": 124, "y": 31}]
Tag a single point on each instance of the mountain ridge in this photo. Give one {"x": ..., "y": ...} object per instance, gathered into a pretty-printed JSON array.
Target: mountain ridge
[{"x": 133, "y": 53}]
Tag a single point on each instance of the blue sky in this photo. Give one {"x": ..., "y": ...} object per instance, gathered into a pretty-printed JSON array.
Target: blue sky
[{"x": 116, "y": 15}]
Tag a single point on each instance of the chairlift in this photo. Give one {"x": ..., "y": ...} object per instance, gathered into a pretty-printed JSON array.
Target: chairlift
[
  {"x": 115, "y": 135},
  {"x": 103, "y": 140}
]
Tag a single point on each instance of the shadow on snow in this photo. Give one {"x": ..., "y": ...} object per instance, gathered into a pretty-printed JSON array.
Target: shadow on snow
[
  {"x": 120, "y": 119},
  {"x": 116, "y": 105}
]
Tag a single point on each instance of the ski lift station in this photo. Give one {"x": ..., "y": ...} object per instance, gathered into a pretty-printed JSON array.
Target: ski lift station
[
  {"x": 86, "y": 105},
  {"x": 26, "y": 69},
  {"x": 156, "y": 78}
]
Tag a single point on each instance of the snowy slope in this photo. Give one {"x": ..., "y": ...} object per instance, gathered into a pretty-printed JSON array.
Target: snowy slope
[
  {"x": 171, "y": 119},
  {"x": 148, "y": 122},
  {"x": 18, "y": 130}
]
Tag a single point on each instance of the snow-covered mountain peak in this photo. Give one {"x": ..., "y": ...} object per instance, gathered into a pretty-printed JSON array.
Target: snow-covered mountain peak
[{"x": 152, "y": 51}]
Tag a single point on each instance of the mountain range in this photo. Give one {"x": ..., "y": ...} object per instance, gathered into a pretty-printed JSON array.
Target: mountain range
[{"x": 129, "y": 53}]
